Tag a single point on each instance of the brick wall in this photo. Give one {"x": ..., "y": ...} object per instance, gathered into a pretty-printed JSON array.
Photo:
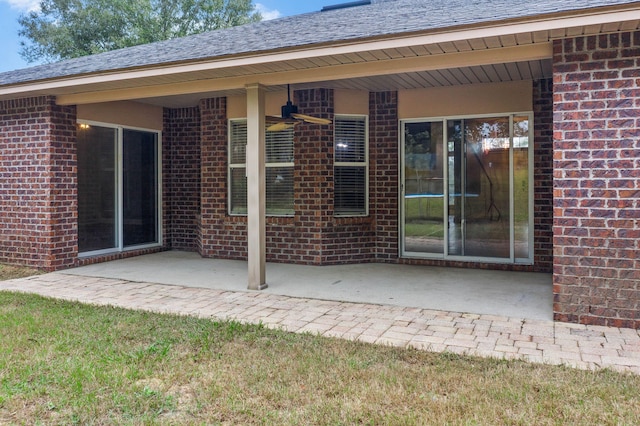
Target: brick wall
[
  {"x": 181, "y": 178},
  {"x": 218, "y": 235},
  {"x": 543, "y": 175},
  {"x": 333, "y": 240},
  {"x": 312, "y": 235},
  {"x": 597, "y": 180},
  {"x": 313, "y": 174},
  {"x": 38, "y": 186},
  {"x": 384, "y": 174}
]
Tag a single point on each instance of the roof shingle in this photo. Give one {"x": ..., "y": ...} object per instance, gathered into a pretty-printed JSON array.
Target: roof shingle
[{"x": 381, "y": 18}]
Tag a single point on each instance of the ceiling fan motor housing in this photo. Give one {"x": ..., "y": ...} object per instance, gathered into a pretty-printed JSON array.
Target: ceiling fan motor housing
[{"x": 289, "y": 109}]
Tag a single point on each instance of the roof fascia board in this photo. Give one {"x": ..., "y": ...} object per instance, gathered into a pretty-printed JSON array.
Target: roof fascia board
[
  {"x": 590, "y": 19},
  {"x": 384, "y": 67}
]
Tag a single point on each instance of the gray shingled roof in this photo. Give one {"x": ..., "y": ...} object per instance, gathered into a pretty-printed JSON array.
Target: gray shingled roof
[{"x": 382, "y": 17}]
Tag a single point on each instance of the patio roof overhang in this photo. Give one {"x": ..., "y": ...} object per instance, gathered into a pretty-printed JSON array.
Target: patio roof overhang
[{"x": 499, "y": 51}]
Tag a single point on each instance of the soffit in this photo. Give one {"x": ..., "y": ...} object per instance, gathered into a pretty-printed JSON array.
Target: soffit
[{"x": 515, "y": 71}]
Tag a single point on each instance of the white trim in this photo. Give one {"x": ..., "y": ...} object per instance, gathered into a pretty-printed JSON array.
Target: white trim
[
  {"x": 531, "y": 212},
  {"x": 512, "y": 184}
]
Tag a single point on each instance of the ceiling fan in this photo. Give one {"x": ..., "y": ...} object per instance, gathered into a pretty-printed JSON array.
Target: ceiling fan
[{"x": 291, "y": 117}]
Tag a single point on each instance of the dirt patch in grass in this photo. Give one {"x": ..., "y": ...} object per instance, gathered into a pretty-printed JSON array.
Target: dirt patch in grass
[
  {"x": 68, "y": 363},
  {"x": 8, "y": 272}
]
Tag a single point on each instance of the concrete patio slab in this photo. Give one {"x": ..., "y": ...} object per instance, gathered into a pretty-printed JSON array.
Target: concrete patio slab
[{"x": 516, "y": 294}]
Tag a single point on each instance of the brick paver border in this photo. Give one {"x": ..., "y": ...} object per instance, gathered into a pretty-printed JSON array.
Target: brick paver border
[{"x": 575, "y": 345}]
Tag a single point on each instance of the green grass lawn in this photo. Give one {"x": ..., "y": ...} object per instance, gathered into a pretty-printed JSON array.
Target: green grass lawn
[{"x": 69, "y": 363}]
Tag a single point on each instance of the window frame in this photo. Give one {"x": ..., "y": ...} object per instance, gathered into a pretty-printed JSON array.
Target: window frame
[
  {"x": 268, "y": 165},
  {"x": 512, "y": 259},
  {"x": 352, "y": 164}
]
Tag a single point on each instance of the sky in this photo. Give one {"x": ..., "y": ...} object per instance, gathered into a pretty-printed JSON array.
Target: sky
[{"x": 10, "y": 10}]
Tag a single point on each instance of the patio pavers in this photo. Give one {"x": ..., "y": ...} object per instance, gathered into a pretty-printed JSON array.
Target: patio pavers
[{"x": 575, "y": 345}]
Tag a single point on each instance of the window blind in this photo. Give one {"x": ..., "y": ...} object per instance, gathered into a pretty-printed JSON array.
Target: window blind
[
  {"x": 279, "y": 170},
  {"x": 350, "y": 166}
]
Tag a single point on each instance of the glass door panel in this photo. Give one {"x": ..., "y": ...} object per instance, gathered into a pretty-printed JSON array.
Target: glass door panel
[
  {"x": 423, "y": 187},
  {"x": 455, "y": 179},
  {"x": 140, "y": 187},
  {"x": 96, "y": 155},
  {"x": 486, "y": 189},
  {"x": 521, "y": 186}
]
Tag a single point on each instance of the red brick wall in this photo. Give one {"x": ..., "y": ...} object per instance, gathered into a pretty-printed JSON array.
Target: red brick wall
[
  {"x": 597, "y": 180},
  {"x": 384, "y": 174},
  {"x": 333, "y": 240},
  {"x": 312, "y": 235},
  {"x": 219, "y": 236},
  {"x": 313, "y": 175},
  {"x": 38, "y": 186},
  {"x": 543, "y": 175},
  {"x": 181, "y": 177}
]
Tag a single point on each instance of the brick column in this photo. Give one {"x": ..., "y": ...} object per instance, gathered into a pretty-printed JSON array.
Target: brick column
[
  {"x": 543, "y": 175},
  {"x": 384, "y": 173},
  {"x": 38, "y": 189},
  {"x": 597, "y": 180},
  {"x": 313, "y": 174}
]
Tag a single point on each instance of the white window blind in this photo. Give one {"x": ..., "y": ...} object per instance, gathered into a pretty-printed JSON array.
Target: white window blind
[
  {"x": 351, "y": 164},
  {"x": 279, "y": 170}
]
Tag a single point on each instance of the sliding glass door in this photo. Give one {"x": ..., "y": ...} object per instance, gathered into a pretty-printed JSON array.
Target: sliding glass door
[
  {"x": 118, "y": 189},
  {"x": 466, "y": 189}
]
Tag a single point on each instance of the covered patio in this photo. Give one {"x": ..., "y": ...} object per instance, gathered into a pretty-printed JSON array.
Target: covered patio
[
  {"x": 504, "y": 293},
  {"x": 500, "y": 142}
]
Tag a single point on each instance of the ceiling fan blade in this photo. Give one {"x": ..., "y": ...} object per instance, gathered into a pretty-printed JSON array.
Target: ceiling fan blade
[
  {"x": 283, "y": 125},
  {"x": 311, "y": 119}
]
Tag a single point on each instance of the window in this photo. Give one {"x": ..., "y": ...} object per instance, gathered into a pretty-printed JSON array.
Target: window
[
  {"x": 118, "y": 189},
  {"x": 351, "y": 165},
  {"x": 279, "y": 170}
]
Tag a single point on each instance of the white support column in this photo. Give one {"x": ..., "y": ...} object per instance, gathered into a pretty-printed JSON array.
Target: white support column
[{"x": 256, "y": 187}]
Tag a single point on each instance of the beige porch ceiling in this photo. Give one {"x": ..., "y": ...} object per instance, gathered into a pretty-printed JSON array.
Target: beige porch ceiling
[{"x": 492, "y": 73}]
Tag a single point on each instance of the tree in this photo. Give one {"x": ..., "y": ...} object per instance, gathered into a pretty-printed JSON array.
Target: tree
[{"x": 64, "y": 29}]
